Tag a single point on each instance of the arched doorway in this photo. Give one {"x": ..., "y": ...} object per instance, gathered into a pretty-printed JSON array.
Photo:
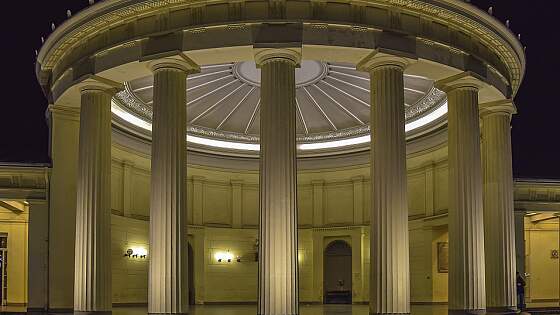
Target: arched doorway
[
  {"x": 191, "y": 275},
  {"x": 337, "y": 273}
]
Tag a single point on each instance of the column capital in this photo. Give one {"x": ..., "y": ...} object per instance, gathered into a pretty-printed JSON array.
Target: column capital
[
  {"x": 197, "y": 178},
  {"x": 127, "y": 163},
  {"x": 465, "y": 79},
  {"x": 358, "y": 178},
  {"x": 377, "y": 60},
  {"x": 264, "y": 55},
  {"x": 236, "y": 182},
  {"x": 178, "y": 62},
  {"x": 72, "y": 113},
  {"x": 317, "y": 182},
  {"x": 100, "y": 84},
  {"x": 502, "y": 107}
]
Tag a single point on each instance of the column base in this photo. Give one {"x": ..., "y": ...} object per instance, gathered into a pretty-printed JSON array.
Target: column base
[
  {"x": 467, "y": 312},
  {"x": 502, "y": 310}
]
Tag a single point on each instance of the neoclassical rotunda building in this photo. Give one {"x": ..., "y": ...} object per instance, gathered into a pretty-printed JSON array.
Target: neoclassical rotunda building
[{"x": 281, "y": 153}]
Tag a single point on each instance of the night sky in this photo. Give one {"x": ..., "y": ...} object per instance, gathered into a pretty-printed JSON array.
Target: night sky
[{"x": 536, "y": 129}]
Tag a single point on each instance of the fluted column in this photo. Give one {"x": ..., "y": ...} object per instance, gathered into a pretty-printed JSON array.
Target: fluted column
[
  {"x": 168, "y": 283},
  {"x": 499, "y": 217},
  {"x": 466, "y": 227},
  {"x": 92, "y": 275},
  {"x": 389, "y": 247},
  {"x": 278, "y": 273}
]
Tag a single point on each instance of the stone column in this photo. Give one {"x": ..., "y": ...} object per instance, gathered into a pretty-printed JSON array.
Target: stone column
[
  {"x": 389, "y": 273},
  {"x": 278, "y": 273},
  {"x": 499, "y": 217},
  {"x": 92, "y": 275},
  {"x": 466, "y": 226},
  {"x": 168, "y": 272}
]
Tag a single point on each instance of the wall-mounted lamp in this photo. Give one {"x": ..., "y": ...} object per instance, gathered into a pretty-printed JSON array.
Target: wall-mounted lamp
[
  {"x": 137, "y": 252},
  {"x": 225, "y": 256}
]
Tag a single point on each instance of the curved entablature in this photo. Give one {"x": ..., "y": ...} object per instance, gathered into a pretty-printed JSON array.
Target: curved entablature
[
  {"x": 114, "y": 40},
  {"x": 484, "y": 45}
]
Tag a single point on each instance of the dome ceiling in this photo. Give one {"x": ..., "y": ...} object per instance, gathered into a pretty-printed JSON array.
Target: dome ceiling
[{"x": 333, "y": 102}]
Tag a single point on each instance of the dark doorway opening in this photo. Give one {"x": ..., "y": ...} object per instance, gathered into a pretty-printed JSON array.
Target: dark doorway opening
[
  {"x": 191, "y": 275},
  {"x": 337, "y": 273}
]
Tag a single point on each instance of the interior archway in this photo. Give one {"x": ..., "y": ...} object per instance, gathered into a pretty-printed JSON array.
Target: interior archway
[{"x": 337, "y": 273}]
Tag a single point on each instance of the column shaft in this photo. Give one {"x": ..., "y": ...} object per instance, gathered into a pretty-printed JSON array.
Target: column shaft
[
  {"x": 466, "y": 228},
  {"x": 168, "y": 283},
  {"x": 389, "y": 287},
  {"x": 92, "y": 276},
  {"x": 499, "y": 216},
  {"x": 278, "y": 274}
]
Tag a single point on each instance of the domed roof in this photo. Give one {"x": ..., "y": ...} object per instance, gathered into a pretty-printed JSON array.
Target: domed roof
[{"x": 333, "y": 104}]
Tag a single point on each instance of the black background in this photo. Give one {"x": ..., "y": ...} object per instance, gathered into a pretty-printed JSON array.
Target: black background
[{"x": 536, "y": 146}]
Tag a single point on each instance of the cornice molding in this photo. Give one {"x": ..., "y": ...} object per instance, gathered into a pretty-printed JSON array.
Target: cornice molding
[{"x": 107, "y": 15}]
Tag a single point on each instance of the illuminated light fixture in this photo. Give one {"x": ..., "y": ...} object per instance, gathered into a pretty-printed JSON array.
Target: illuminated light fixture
[
  {"x": 530, "y": 214},
  {"x": 334, "y": 144},
  {"x": 224, "y": 256},
  {"x": 422, "y": 121},
  {"x": 223, "y": 144},
  {"x": 136, "y": 252}
]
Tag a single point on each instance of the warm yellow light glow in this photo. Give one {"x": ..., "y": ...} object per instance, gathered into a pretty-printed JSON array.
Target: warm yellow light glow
[
  {"x": 140, "y": 251},
  {"x": 423, "y": 121},
  {"x": 223, "y": 256}
]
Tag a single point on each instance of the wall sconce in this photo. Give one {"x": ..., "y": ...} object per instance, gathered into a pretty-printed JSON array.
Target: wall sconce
[
  {"x": 137, "y": 252},
  {"x": 225, "y": 256}
]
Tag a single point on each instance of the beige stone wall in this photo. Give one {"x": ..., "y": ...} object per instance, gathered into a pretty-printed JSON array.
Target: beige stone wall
[
  {"x": 223, "y": 216},
  {"x": 543, "y": 282},
  {"x": 15, "y": 225},
  {"x": 223, "y": 211}
]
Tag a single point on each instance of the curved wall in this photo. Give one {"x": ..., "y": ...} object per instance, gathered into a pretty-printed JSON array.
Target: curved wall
[{"x": 223, "y": 210}]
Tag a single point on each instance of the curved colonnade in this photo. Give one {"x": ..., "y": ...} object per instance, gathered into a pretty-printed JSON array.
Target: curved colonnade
[{"x": 469, "y": 55}]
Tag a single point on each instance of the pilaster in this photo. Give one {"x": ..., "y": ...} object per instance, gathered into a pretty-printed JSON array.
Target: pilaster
[
  {"x": 430, "y": 189},
  {"x": 128, "y": 188},
  {"x": 198, "y": 198},
  {"x": 358, "y": 185},
  {"x": 318, "y": 186},
  {"x": 236, "y": 203},
  {"x": 64, "y": 134},
  {"x": 38, "y": 254}
]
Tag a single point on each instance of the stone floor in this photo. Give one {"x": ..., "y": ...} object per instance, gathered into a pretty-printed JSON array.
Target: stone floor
[
  {"x": 251, "y": 310},
  {"x": 304, "y": 310}
]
